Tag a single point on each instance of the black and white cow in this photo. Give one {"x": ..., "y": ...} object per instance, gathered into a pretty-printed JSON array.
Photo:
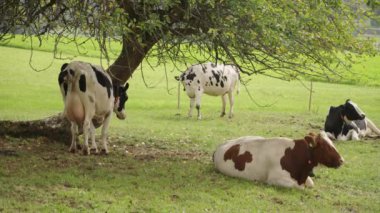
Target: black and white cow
[
  {"x": 277, "y": 161},
  {"x": 212, "y": 79},
  {"x": 348, "y": 122},
  {"x": 88, "y": 96}
]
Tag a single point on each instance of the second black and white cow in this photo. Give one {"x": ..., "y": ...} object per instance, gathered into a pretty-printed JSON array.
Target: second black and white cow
[
  {"x": 348, "y": 122},
  {"x": 278, "y": 161},
  {"x": 88, "y": 95},
  {"x": 212, "y": 79}
]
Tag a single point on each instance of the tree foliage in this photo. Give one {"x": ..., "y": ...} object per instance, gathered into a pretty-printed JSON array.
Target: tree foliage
[{"x": 279, "y": 38}]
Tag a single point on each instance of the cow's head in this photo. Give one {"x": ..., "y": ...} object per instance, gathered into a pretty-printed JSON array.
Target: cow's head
[
  {"x": 323, "y": 150},
  {"x": 352, "y": 111},
  {"x": 120, "y": 98}
]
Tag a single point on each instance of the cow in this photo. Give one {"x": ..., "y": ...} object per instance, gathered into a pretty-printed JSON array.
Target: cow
[
  {"x": 212, "y": 79},
  {"x": 348, "y": 122},
  {"x": 276, "y": 161},
  {"x": 89, "y": 96}
]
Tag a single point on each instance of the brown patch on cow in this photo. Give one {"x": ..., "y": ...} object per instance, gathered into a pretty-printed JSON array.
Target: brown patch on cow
[
  {"x": 240, "y": 160},
  {"x": 298, "y": 161}
]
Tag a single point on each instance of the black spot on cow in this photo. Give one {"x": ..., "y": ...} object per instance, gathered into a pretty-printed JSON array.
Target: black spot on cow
[
  {"x": 222, "y": 84},
  {"x": 198, "y": 81},
  {"x": 211, "y": 83},
  {"x": 103, "y": 80},
  {"x": 71, "y": 72},
  {"x": 225, "y": 78},
  {"x": 216, "y": 76},
  {"x": 61, "y": 77},
  {"x": 82, "y": 83},
  {"x": 204, "y": 69},
  {"x": 213, "y": 65},
  {"x": 65, "y": 88},
  {"x": 64, "y": 66},
  {"x": 199, "y": 88},
  {"x": 191, "y": 76},
  {"x": 217, "y": 84}
]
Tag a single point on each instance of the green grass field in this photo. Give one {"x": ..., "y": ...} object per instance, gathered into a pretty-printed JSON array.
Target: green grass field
[{"x": 168, "y": 165}]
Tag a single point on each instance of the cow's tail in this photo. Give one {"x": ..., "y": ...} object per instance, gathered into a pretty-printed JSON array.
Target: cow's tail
[
  {"x": 238, "y": 83},
  {"x": 372, "y": 127}
]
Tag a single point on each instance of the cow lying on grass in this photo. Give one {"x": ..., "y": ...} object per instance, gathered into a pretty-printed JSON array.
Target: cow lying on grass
[
  {"x": 88, "y": 95},
  {"x": 277, "y": 161},
  {"x": 212, "y": 79},
  {"x": 348, "y": 122}
]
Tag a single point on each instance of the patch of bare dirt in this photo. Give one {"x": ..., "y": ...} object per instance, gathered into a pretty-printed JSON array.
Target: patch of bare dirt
[{"x": 50, "y": 150}]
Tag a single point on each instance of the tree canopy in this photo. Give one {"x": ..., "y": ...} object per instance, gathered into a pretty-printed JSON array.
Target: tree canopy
[{"x": 278, "y": 38}]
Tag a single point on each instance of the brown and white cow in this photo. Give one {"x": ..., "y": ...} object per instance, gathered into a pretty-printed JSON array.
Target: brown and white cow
[
  {"x": 277, "y": 161},
  {"x": 88, "y": 95},
  {"x": 212, "y": 79}
]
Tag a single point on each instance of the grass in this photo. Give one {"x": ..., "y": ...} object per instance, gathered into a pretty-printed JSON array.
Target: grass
[{"x": 168, "y": 165}]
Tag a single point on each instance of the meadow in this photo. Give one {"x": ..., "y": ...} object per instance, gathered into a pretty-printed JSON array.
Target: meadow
[{"x": 160, "y": 159}]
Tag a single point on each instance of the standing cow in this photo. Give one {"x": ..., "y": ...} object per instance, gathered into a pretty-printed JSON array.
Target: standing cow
[
  {"x": 348, "y": 122},
  {"x": 212, "y": 79},
  {"x": 278, "y": 161},
  {"x": 88, "y": 95}
]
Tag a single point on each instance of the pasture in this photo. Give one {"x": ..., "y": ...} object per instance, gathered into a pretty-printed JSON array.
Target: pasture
[{"x": 160, "y": 160}]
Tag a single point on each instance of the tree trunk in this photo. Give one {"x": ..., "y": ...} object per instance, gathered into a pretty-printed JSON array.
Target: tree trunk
[{"x": 131, "y": 56}]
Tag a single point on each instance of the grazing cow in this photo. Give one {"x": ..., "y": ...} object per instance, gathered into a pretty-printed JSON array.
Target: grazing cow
[
  {"x": 89, "y": 96},
  {"x": 212, "y": 79},
  {"x": 348, "y": 122},
  {"x": 277, "y": 161}
]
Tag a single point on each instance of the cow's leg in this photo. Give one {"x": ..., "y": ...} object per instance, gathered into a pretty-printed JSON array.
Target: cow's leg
[
  {"x": 86, "y": 129},
  {"x": 104, "y": 133},
  {"x": 223, "y": 113},
  {"x": 330, "y": 135},
  {"x": 94, "y": 148},
  {"x": 231, "y": 98},
  {"x": 192, "y": 104},
  {"x": 309, "y": 182},
  {"x": 372, "y": 127},
  {"x": 281, "y": 178},
  {"x": 198, "y": 104},
  {"x": 74, "y": 136}
]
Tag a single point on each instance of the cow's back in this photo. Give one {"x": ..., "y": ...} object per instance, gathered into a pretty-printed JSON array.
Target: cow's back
[
  {"x": 251, "y": 157},
  {"x": 212, "y": 79}
]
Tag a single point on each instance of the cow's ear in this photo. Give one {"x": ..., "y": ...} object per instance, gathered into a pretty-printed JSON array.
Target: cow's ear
[
  {"x": 64, "y": 66},
  {"x": 126, "y": 87},
  {"x": 311, "y": 140},
  {"x": 348, "y": 100}
]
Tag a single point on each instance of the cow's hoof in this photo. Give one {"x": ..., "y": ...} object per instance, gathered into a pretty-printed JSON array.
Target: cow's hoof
[
  {"x": 71, "y": 150},
  {"x": 79, "y": 147},
  {"x": 222, "y": 114},
  {"x": 94, "y": 151},
  {"x": 104, "y": 152},
  {"x": 86, "y": 151}
]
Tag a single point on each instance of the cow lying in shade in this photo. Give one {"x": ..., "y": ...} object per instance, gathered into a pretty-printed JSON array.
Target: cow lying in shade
[
  {"x": 88, "y": 95},
  {"x": 277, "y": 161},
  {"x": 212, "y": 79},
  {"x": 348, "y": 122}
]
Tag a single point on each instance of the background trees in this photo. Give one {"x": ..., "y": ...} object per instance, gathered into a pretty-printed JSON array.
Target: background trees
[{"x": 279, "y": 38}]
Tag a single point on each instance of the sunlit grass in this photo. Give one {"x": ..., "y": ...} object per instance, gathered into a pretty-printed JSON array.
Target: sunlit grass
[{"x": 172, "y": 171}]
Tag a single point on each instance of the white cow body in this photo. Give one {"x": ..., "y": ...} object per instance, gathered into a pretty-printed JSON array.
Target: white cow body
[
  {"x": 214, "y": 80},
  {"x": 86, "y": 100},
  {"x": 268, "y": 160}
]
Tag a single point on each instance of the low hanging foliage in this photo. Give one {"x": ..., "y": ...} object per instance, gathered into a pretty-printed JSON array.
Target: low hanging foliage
[{"x": 279, "y": 38}]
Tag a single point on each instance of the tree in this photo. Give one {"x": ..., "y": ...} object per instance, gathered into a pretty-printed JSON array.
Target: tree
[{"x": 280, "y": 38}]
